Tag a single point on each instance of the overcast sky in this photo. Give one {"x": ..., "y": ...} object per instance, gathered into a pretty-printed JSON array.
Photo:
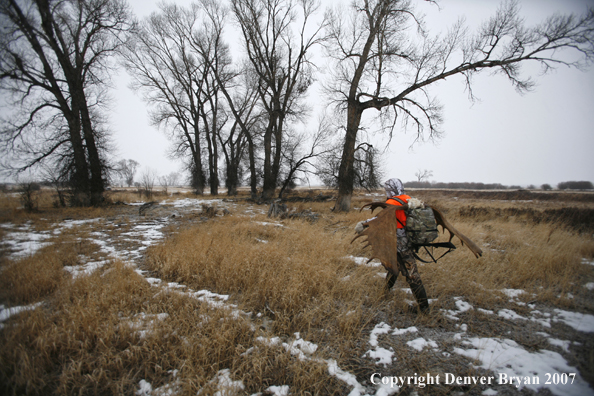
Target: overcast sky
[{"x": 544, "y": 136}]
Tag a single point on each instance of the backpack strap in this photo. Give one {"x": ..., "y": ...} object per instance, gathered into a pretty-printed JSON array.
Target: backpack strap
[
  {"x": 395, "y": 198},
  {"x": 449, "y": 245}
]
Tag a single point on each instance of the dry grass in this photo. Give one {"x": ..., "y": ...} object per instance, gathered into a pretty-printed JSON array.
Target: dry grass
[
  {"x": 292, "y": 272},
  {"x": 102, "y": 334},
  {"x": 89, "y": 339}
]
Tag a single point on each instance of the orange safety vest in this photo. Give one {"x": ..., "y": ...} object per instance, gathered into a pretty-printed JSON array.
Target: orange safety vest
[{"x": 400, "y": 214}]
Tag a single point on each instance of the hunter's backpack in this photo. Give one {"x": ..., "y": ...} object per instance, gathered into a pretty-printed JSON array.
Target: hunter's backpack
[{"x": 421, "y": 228}]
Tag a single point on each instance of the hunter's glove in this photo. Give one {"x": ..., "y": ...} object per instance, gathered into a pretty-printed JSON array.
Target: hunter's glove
[{"x": 359, "y": 227}]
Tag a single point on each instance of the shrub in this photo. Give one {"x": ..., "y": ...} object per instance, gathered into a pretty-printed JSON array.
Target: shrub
[{"x": 29, "y": 196}]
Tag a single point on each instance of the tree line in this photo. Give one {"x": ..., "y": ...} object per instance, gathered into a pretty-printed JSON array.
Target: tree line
[
  {"x": 568, "y": 185},
  {"x": 244, "y": 114}
]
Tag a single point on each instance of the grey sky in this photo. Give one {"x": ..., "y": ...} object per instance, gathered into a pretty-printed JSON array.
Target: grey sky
[{"x": 544, "y": 136}]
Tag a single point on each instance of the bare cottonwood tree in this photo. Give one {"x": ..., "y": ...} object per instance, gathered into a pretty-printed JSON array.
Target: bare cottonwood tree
[
  {"x": 169, "y": 73},
  {"x": 127, "y": 170},
  {"x": 278, "y": 49},
  {"x": 168, "y": 180},
  {"x": 240, "y": 136},
  {"x": 147, "y": 182},
  {"x": 240, "y": 90},
  {"x": 423, "y": 175},
  {"x": 302, "y": 150},
  {"x": 213, "y": 52},
  {"x": 367, "y": 169},
  {"x": 54, "y": 60},
  {"x": 385, "y": 60}
]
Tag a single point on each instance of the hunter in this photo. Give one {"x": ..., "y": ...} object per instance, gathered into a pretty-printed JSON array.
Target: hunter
[{"x": 407, "y": 264}]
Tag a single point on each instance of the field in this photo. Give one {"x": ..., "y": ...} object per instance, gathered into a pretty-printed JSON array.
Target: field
[{"x": 207, "y": 295}]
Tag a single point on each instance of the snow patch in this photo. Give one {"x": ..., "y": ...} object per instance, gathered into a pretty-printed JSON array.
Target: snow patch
[
  {"x": 420, "y": 343},
  {"x": 509, "y": 314},
  {"x": 504, "y": 356},
  {"x": 398, "y": 331},
  {"x": 364, "y": 261},
  {"x": 6, "y": 313},
  {"x": 579, "y": 321}
]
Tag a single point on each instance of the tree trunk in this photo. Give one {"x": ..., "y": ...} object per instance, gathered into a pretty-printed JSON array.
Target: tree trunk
[
  {"x": 197, "y": 179},
  {"x": 80, "y": 178},
  {"x": 346, "y": 172},
  {"x": 213, "y": 176},
  {"x": 272, "y": 158},
  {"x": 253, "y": 175},
  {"x": 214, "y": 172},
  {"x": 232, "y": 180},
  {"x": 196, "y": 167},
  {"x": 269, "y": 183},
  {"x": 97, "y": 187},
  {"x": 278, "y": 143}
]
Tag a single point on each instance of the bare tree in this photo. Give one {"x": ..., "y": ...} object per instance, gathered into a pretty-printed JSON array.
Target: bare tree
[
  {"x": 29, "y": 194},
  {"x": 55, "y": 61},
  {"x": 239, "y": 137},
  {"x": 278, "y": 50},
  {"x": 214, "y": 54},
  {"x": 167, "y": 70},
  {"x": 127, "y": 170},
  {"x": 147, "y": 182},
  {"x": 367, "y": 168},
  {"x": 423, "y": 175},
  {"x": 240, "y": 90},
  {"x": 385, "y": 60},
  {"x": 51, "y": 176},
  {"x": 300, "y": 152},
  {"x": 167, "y": 181}
]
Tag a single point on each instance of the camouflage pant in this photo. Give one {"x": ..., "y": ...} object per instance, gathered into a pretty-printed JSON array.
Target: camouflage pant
[{"x": 407, "y": 265}]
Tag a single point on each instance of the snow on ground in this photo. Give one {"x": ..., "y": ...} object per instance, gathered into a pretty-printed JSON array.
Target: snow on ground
[
  {"x": 364, "y": 261},
  {"x": 579, "y": 321},
  {"x": 6, "y": 313},
  {"x": 23, "y": 241},
  {"x": 502, "y": 357},
  {"x": 515, "y": 366},
  {"x": 420, "y": 343},
  {"x": 587, "y": 261},
  {"x": 461, "y": 305},
  {"x": 85, "y": 269}
]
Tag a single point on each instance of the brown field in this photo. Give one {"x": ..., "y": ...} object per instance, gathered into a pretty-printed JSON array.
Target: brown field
[{"x": 197, "y": 299}]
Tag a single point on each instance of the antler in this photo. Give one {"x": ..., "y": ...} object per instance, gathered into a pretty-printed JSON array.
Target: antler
[
  {"x": 381, "y": 235},
  {"x": 374, "y": 205},
  {"x": 441, "y": 220}
]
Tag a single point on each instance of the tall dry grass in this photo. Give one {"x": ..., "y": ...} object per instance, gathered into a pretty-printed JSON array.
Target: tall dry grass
[
  {"x": 296, "y": 273},
  {"x": 102, "y": 334},
  {"x": 543, "y": 258}
]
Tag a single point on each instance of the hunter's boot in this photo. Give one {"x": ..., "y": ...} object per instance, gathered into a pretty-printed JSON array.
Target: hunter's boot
[{"x": 418, "y": 291}]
